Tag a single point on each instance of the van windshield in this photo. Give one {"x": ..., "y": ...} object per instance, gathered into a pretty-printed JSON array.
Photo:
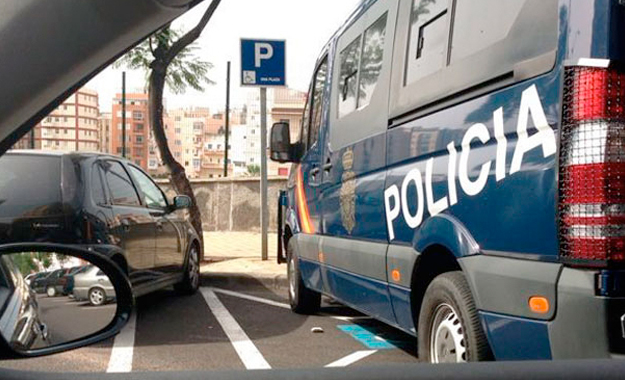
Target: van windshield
[{"x": 30, "y": 185}]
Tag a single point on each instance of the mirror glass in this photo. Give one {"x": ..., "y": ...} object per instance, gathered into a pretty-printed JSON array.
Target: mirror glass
[{"x": 49, "y": 299}]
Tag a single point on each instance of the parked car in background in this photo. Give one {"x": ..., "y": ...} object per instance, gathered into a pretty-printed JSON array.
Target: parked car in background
[
  {"x": 102, "y": 203},
  {"x": 93, "y": 285},
  {"x": 69, "y": 284},
  {"x": 53, "y": 284}
]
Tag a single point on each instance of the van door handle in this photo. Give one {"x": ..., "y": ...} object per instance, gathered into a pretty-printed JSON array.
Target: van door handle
[
  {"x": 125, "y": 225},
  {"x": 327, "y": 167},
  {"x": 159, "y": 225}
]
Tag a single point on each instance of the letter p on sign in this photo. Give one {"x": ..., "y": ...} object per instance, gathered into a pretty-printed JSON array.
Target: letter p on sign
[{"x": 262, "y": 50}]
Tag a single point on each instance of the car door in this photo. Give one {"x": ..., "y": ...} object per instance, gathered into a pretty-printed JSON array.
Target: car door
[
  {"x": 169, "y": 256},
  {"x": 309, "y": 174},
  {"x": 133, "y": 226},
  {"x": 354, "y": 240}
]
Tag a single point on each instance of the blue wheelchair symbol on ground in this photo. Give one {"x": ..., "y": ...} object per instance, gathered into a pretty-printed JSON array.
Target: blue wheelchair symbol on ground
[{"x": 263, "y": 63}]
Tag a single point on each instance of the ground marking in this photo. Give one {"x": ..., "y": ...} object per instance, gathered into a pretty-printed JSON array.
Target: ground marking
[
  {"x": 123, "y": 347},
  {"x": 351, "y": 358},
  {"x": 251, "y": 298},
  {"x": 247, "y": 351}
]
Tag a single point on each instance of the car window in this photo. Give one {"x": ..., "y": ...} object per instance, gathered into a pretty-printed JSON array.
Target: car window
[
  {"x": 371, "y": 62},
  {"x": 349, "y": 58},
  {"x": 153, "y": 195},
  {"x": 122, "y": 190},
  {"x": 29, "y": 182},
  {"x": 97, "y": 187},
  {"x": 317, "y": 100}
]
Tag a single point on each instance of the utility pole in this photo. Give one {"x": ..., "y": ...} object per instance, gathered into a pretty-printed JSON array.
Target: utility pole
[
  {"x": 124, "y": 114},
  {"x": 227, "y": 119},
  {"x": 264, "y": 212}
]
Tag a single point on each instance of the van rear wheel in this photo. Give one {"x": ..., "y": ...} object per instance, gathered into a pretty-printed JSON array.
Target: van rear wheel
[
  {"x": 449, "y": 329},
  {"x": 301, "y": 299}
]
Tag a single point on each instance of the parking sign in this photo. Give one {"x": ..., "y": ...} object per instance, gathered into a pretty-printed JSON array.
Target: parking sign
[{"x": 263, "y": 63}]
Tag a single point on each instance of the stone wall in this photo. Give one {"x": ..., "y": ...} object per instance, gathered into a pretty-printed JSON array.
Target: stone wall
[{"x": 233, "y": 204}]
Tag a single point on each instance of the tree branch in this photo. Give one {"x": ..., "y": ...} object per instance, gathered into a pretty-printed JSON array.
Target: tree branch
[{"x": 191, "y": 35}]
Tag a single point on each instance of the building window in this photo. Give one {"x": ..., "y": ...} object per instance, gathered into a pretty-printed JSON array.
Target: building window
[
  {"x": 139, "y": 139},
  {"x": 196, "y": 163},
  {"x": 178, "y": 130},
  {"x": 137, "y": 115},
  {"x": 178, "y": 142},
  {"x": 138, "y": 127}
]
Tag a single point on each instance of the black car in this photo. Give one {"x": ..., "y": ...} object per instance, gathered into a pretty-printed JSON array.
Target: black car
[
  {"x": 52, "y": 284},
  {"x": 102, "y": 203}
]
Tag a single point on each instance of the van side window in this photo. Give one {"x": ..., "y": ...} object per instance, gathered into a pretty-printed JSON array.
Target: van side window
[
  {"x": 428, "y": 38},
  {"x": 317, "y": 100},
  {"x": 349, "y": 59},
  {"x": 371, "y": 62},
  {"x": 361, "y": 64},
  {"x": 303, "y": 136},
  {"x": 121, "y": 187},
  {"x": 461, "y": 46}
]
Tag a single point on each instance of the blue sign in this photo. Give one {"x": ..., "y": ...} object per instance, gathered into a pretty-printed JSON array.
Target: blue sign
[{"x": 263, "y": 63}]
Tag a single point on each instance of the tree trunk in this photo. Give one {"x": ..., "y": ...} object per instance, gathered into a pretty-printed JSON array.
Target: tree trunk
[{"x": 177, "y": 174}]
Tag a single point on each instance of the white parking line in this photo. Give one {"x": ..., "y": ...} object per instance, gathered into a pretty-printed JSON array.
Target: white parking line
[
  {"x": 247, "y": 351},
  {"x": 351, "y": 358},
  {"x": 251, "y": 298},
  {"x": 123, "y": 347}
]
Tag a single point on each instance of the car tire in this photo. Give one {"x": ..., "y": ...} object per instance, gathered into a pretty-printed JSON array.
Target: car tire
[
  {"x": 97, "y": 296},
  {"x": 191, "y": 280},
  {"x": 302, "y": 300},
  {"x": 449, "y": 328},
  {"x": 51, "y": 291}
]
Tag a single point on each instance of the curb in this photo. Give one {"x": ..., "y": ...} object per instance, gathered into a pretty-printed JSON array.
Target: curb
[{"x": 278, "y": 281}]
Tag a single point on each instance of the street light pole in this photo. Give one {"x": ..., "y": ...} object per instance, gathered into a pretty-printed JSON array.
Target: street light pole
[
  {"x": 227, "y": 119},
  {"x": 124, "y": 114}
]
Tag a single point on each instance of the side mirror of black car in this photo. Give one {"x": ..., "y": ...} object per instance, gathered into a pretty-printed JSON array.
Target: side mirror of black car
[
  {"x": 91, "y": 302},
  {"x": 281, "y": 148},
  {"x": 181, "y": 202}
]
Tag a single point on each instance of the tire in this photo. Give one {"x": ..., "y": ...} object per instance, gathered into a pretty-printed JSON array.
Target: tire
[
  {"x": 191, "y": 280},
  {"x": 449, "y": 328},
  {"x": 97, "y": 296},
  {"x": 302, "y": 300},
  {"x": 51, "y": 291}
]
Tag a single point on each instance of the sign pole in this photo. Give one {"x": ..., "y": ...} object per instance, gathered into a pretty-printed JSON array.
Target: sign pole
[{"x": 264, "y": 216}]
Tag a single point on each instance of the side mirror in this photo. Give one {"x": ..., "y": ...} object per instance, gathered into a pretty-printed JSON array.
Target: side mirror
[
  {"x": 181, "y": 202},
  {"x": 281, "y": 148},
  {"x": 74, "y": 298}
]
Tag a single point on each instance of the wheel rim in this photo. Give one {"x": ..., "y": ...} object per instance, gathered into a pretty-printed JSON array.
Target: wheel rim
[
  {"x": 96, "y": 297},
  {"x": 291, "y": 275},
  {"x": 447, "y": 339},
  {"x": 50, "y": 292},
  {"x": 194, "y": 268}
]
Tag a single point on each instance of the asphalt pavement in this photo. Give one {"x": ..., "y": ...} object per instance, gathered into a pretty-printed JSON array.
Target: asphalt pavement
[{"x": 232, "y": 324}]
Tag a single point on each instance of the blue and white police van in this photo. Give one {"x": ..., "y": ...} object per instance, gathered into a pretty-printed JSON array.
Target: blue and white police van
[{"x": 460, "y": 175}]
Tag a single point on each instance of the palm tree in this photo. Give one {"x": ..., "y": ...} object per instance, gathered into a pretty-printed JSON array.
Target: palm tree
[{"x": 169, "y": 58}]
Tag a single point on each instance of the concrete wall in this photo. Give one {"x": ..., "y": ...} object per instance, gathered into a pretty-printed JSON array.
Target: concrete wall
[{"x": 233, "y": 204}]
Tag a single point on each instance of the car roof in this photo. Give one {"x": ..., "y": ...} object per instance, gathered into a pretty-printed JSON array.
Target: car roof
[{"x": 71, "y": 155}]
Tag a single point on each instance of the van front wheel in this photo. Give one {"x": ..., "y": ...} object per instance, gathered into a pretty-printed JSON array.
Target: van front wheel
[
  {"x": 301, "y": 299},
  {"x": 449, "y": 326}
]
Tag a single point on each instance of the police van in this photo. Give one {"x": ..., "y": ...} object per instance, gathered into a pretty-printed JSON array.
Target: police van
[{"x": 460, "y": 175}]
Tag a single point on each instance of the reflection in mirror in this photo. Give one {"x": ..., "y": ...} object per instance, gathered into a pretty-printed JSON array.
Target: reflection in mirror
[{"x": 49, "y": 299}]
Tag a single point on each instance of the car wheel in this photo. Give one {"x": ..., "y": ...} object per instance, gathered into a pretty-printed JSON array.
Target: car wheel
[
  {"x": 97, "y": 297},
  {"x": 449, "y": 329},
  {"x": 301, "y": 299},
  {"x": 191, "y": 280},
  {"x": 51, "y": 291}
]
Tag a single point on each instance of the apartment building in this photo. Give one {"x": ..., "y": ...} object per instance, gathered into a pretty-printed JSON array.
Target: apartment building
[{"x": 137, "y": 128}]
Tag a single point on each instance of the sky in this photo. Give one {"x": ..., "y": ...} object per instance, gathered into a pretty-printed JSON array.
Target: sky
[{"x": 306, "y": 25}]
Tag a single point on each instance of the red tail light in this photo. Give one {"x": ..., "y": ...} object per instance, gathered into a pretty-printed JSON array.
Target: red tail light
[{"x": 592, "y": 166}]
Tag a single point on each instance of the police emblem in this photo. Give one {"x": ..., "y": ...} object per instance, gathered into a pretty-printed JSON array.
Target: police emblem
[{"x": 348, "y": 192}]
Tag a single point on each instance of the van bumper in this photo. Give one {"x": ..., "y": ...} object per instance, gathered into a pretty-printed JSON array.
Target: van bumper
[
  {"x": 590, "y": 319},
  {"x": 586, "y": 318}
]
